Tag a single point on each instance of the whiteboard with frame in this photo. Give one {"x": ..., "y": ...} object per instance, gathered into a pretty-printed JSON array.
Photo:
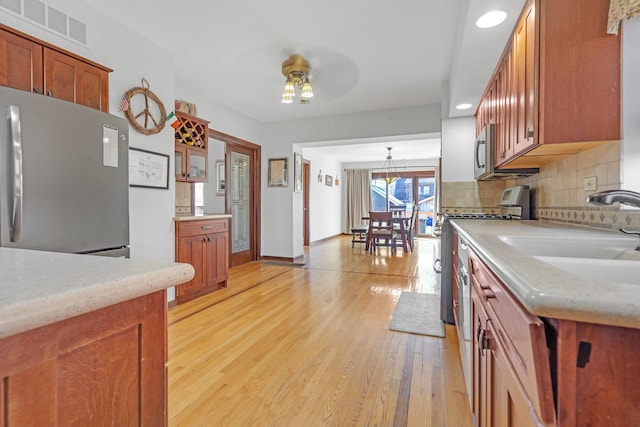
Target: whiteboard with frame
[{"x": 148, "y": 169}]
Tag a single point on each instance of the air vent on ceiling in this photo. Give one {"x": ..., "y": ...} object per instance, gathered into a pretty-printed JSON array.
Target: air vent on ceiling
[
  {"x": 57, "y": 21},
  {"x": 35, "y": 10},
  {"x": 12, "y": 5},
  {"x": 77, "y": 30},
  {"x": 48, "y": 17}
]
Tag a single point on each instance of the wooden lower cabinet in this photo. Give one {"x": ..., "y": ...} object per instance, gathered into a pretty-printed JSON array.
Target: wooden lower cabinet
[
  {"x": 205, "y": 245},
  {"x": 105, "y": 367},
  {"x": 533, "y": 371}
]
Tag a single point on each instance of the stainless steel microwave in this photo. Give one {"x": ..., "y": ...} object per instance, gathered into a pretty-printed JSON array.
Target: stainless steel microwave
[{"x": 484, "y": 160}]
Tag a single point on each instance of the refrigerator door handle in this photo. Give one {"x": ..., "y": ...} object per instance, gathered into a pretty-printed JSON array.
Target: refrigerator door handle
[{"x": 16, "y": 172}]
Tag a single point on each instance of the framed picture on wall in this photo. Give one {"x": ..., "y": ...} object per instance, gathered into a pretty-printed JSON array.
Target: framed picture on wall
[
  {"x": 278, "y": 172},
  {"x": 220, "y": 181},
  {"x": 297, "y": 172},
  {"x": 148, "y": 169},
  {"x": 328, "y": 180}
]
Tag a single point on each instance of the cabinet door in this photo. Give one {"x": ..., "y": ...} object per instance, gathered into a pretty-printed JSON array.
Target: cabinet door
[
  {"x": 181, "y": 164},
  {"x": 523, "y": 48},
  {"x": 103, "y": 368},
  {"x": 192, "y": 250},
  {"x": 75, "y": 81},
  {"x": 503, "y": 137},
  {"x": 217, "y": 258},
  {"x": 20, "y": 63},
  {"x": 197, "y": 165},
  {"x": 509, "y": 406}
]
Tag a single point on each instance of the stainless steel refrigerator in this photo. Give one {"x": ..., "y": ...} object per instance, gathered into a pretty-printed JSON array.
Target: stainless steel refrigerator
[{"x": 64, "y": 184}]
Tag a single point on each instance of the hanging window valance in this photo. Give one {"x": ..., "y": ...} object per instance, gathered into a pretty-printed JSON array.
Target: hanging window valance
[{"x": 620, "y": 9}]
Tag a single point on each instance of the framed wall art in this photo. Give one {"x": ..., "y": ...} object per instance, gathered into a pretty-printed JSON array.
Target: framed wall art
[
  {"x": 220, "y": 181},
  {"x": 148, "y": 169},
  {"x": 328, "y": 180},
  {"x": 278, "y": 172}
]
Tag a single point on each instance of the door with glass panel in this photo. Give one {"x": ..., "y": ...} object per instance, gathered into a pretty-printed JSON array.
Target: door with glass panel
[
  {"x": 242, "y": 196},
  {"x": 409, "y": 189}
]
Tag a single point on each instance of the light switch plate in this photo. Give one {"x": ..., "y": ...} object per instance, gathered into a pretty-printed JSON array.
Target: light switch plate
[{"x": 591, "y": 183}]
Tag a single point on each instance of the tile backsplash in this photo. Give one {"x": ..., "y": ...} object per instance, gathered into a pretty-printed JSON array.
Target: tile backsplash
[
  {"x": 558, "y": 192},
  {"x": 183, "y": 198}
]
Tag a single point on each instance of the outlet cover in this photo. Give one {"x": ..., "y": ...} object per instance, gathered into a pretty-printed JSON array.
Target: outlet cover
[{"x": 591, "y": 183}]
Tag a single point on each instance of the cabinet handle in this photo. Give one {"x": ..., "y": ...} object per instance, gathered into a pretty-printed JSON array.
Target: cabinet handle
[
  {"x": 488, "y": 294},
  {"x": 529, "y": 133},
  {"x": 484, "y": 341},
  {"x": 49, "y": 93},
  {"x": 206, "y": 227},
  {"x": 37, "y": 90}
]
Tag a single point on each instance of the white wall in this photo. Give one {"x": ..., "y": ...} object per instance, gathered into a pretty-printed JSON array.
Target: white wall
[
  {"x": 631, "y": 105},
  {"x": 325, "y": 203},
  {"x": 132, "y": 58},
  {"x": 280, "y": 205},
  {"x": 457, "y": 149}
]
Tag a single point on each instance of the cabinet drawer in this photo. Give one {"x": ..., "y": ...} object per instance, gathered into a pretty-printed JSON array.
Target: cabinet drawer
[
  {"x": 520, "y": 333},
  {"x": 194, "y": 228}
]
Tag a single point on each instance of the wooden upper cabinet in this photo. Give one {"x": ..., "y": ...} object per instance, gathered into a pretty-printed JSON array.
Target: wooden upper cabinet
[
  {"x": 561, "y": 94},
  {"x": 523, "y": 52},
  {"x": 33, "y": 65},
  {"x": 75, "y": 81},
  {"x": 21, "y": 63}
]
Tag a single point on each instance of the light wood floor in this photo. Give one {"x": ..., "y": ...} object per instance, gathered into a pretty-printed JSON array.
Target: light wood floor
[{"x": 311, "y": 346}]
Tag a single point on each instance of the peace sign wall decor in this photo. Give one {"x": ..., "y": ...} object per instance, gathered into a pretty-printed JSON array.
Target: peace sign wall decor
[{"x": 151, "y": 116}]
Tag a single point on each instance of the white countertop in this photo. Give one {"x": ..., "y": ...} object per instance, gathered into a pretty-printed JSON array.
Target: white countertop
[
  {"x": 38, "y": 288},
  {"x": 198, "y": 217},
  {"x": 544, "y": 289}
]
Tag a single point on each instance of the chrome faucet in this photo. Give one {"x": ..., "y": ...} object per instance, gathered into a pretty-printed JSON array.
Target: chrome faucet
[{"x": 610, "y": 197}]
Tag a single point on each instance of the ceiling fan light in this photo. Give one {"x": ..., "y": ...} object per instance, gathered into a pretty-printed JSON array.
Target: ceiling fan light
[
  {"x": 307, "y": 91},
  {"x": 289, "y": 88},
  {"x": 296, "y": 69}
]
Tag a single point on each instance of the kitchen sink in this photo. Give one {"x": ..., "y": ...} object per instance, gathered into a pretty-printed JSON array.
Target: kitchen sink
[
  {"x": 606, "y": 248},
  {"x": 607, "y": 270}
]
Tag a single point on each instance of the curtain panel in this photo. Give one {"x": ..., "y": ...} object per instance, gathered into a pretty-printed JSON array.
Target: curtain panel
[{"x": 358, "y": 196}]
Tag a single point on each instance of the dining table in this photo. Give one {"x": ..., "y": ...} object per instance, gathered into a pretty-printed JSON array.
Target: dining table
[{"x": 401, "y": 218}]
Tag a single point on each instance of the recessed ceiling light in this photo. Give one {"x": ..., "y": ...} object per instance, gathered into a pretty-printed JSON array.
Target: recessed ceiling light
[
  {"x": 491, "y": 19},
  {"x": 463, "y": 106}
]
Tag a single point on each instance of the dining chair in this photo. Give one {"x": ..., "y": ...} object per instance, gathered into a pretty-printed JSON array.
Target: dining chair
[
  {"x": 359, "y": 233},
  {"x": 411, "y": 225},
  {"x": 381, "y": 231}
]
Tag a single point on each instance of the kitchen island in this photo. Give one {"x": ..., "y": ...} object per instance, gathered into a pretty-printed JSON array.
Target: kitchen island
[
  {"x": 551, "y": 323},
  {"x": 83, "y": 338}
]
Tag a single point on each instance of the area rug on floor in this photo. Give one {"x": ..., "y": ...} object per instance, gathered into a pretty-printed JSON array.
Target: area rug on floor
[{"x": 418, "y": 313}]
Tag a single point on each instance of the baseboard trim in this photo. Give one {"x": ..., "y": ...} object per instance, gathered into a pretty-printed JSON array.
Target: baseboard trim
[
  {"x": 278, "y": 258},
  {"x": 315, "y": 242}
]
